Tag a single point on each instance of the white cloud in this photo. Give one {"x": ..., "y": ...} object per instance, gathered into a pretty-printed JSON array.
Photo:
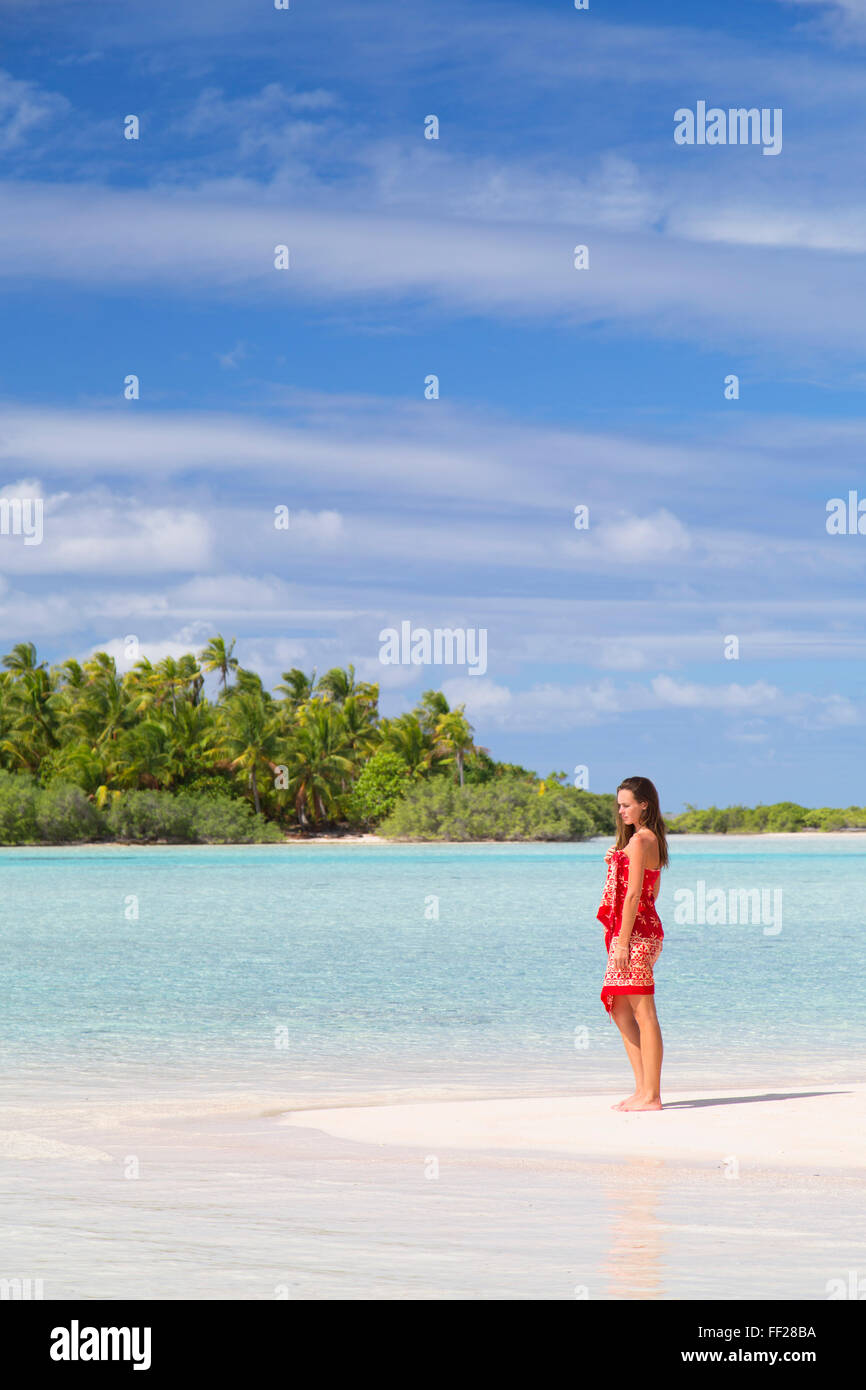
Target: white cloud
[
  {"x": 807, "y": 710},
  {"x": 830, "y": 712},
  {"x": 614, "y": 194},
  {"x": 483, "y": 698},
  {"x": 260, "y": 112},
  {"x": 624, "y": 655},
  {"x": 545, "y": 706},
  {"x": 550, "y": 706},
  {"x": 456, "y": 494},
  {"x": 842, "y": 19},
  {"x": 324, "y": 529},
  {"x": 237, "y": 593},
  {"x": 28, "y": 617},
  {"x": 115, "y": 441},
  {"x": 95, "y": 533},
  {"x": 125, "y": 656},
  {"x": 835, "y": 229},
  {"x": 732, "y": 697},
  {"x": 221, "y": 244},
  {"x": 26, "y": 109},
  {"x": 635, "y": 539},
  {"x": 232, "y": 358}
]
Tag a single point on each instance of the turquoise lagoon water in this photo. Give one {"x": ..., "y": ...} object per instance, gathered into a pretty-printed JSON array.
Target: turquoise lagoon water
[{"x": 324, "y": 968}]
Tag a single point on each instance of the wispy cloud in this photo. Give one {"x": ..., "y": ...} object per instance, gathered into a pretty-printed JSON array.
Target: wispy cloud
[
  {"x": 841, "y": 19},
  {"x": 449, "y": 490},
  {"x": 27, "y": 111},
  {"x": 209, "y": 245},
  {"x": 91, "y": 532},
  {"x": 234, "y": 356},
  {"x": 585, "y": 704}
]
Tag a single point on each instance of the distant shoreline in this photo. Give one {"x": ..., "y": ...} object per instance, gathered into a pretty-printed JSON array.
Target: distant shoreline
[{"x": 371, "y": 839}]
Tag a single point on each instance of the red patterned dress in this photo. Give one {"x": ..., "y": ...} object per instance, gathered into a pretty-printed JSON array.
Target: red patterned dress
[{"x": 645, "y": 945}]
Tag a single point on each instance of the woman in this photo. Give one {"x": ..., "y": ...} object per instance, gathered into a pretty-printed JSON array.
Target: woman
[{"x": 633, "y": 936}]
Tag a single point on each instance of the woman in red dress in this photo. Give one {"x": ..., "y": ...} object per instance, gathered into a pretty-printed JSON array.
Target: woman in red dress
[{"x": 633, "y": 935}]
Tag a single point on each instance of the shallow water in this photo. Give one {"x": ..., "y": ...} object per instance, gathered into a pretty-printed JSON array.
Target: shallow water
[
  {"x": 161, "y": 1006},
  {"x": 326, "y": 966}
]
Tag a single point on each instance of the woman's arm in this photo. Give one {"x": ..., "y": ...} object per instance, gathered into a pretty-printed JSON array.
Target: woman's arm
[
  {"x": 656, "y": 886},
  {"x": 636, "y": 861}
]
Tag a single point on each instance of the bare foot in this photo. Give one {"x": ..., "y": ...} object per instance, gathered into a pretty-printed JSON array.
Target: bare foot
[
  {"x": 641, "y": 1103},
  {"x": 621, "y": 1104}
]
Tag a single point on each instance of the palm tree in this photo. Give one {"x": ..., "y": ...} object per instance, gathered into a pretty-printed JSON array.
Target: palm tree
[
  {"x": 216, "y": 656},
  {"x": 142, "y": 685},
  {"x": 431, "y": 708},
  {"x": 94, "y": 702},
  {"x": 247, "y": 683},
  {"x": 193, "y": 739},
  {"x": 171, "y": 679},
  {"x": 406, "y": 736},
  {"x": 152, "y": 727},
  {"x": 249, "y": 736},
  {"x": 7, "y": 703},
  {"x": 76, "y": 762},
  {"x": 319, "y": 762},
  {"x": 297, "y": 687},
  {"x": 22, "y": 658},
  {"x": 144, "y": 755},
  {"x": 32, "y": 719},
  {"x": 190, "y": 677},
  {"x": 453, "y": 734},
  {"x": 340, "y": 685},
  {"x": 359, "y": 724},
  {"x": 70, "y": 674}
]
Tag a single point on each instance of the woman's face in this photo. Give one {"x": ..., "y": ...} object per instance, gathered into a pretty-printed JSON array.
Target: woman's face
[{"x": 630, "y": 810}]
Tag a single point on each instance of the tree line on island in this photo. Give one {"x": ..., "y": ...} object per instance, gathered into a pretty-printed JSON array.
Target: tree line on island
[{"x": 90, "y": 754}]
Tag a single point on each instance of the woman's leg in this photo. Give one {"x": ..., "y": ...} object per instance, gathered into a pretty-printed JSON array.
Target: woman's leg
[
  {"x": 623, "y": 1017},
  {"x": 648, "y": 1095}
]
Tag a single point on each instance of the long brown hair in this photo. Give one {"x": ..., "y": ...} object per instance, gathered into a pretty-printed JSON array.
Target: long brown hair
[{"x": 642, "y": 789}]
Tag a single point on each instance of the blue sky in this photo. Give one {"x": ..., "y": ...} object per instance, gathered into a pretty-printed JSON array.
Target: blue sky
[{"x": 557, "y": 387}]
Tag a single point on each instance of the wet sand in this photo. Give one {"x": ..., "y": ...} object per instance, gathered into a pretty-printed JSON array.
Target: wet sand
[
  {"x": 817, "y": 1128},
  {"x": 228, "y": 1196}
]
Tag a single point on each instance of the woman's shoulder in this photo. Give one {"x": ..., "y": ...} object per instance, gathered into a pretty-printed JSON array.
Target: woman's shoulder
[
  {"x": 647, "y": 838},
  {"x": 650, "y": 842}
]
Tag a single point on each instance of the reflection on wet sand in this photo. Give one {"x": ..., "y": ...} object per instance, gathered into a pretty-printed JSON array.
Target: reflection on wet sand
[{"x": 632, "y": 1267}]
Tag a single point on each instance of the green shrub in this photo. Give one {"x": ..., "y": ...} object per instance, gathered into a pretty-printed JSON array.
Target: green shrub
[
  {"x": 18, "y": 801},
  {"x": 64, "y": 814},
  {"x": 221, "y": 820},
  {"x": 601, "y": 809},
  {"x": 504, "y": 809},
  {"x": 216, "y": 786},
  {"x": 384, "y": 779},
  {"x": 756, "y": 820},
  {"x": 150, "y": 815},
  {"x": 479, "y": 767}
]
